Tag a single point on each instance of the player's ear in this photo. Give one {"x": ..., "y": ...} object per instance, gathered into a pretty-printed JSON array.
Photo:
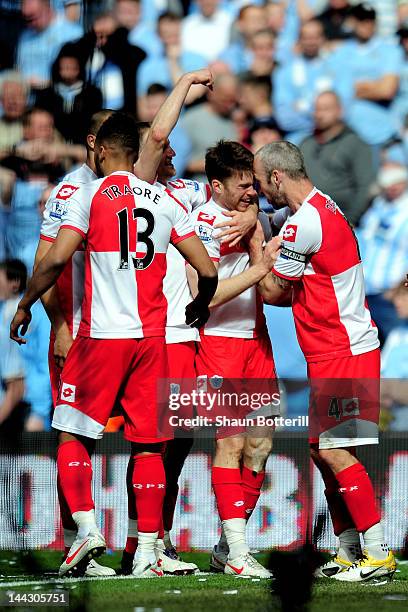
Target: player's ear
[
  {"x": 90, "y": 141},
  {"x": 275, "y": 178},
  {"x": 216, "y": 186}
]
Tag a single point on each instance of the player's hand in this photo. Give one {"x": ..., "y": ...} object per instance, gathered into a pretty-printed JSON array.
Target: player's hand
[
  {"x": 62, "y": 344},
  {"x": 22, "y": 319},
  {"x": 271, "y": 252},
  {"x": 197, "y": 314},
  {"x": 406, "y": 282},
  {"x": 202, "y": 77},
  {"x": 238, "y": 225}
]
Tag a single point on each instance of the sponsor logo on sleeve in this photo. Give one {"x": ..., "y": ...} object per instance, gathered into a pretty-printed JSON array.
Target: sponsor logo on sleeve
[
  {"x": 289, "y": 233},
  {"x": 204, "y": 233},
  {"x": 58, "y": 209},
  {"x": 68, "y": 392},
  {"x": 202, "y": 216},
  {"x": 66, "y": 191}
]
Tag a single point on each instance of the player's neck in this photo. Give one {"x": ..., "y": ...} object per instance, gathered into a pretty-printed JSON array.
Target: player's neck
[
  {"x": 297, "y": 192},
  {"x": 117, "y": 165}
]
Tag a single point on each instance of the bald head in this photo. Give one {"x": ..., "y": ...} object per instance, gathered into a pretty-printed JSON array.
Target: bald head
[
  {"x": 311, "y": 38},
  {"x": 224, "y": 95},
  {"x": 328, "y": 111}
]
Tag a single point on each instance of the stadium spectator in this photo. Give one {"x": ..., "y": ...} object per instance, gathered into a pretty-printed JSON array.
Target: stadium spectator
[
  {"x": 41, "y": 41},
  {"x": 111, "y": 61},
  {"x": 209, "y": 122},
  {"x": 297, "y": 82},
  {"x": 148, "y": 108},
  {"x": 208, "y": 31},
  {"x": 255, "y": 96},
  {"x": 36, "y": 161},
  {"x": 262, "y": 46},
  {"x": 369, "y": 67},
  {"x": 12, "y": 409},
  {"x": 337, "y": 160},
  {"x": 394, "y": 365},
  {"x": 262, "y": 131},
  {"x": 336, "y": 21},
  {"x": 283, "y": 21},
  {"x": 383, "y": 239},
  {"x": 400, "y": 102},
  {"x": 141, "y": 34},
  {"x": 70, "y": 98},
  {"x": 166, "y": 68},
  {"x": 239, "y": 54},
  {"x": 13, "y": 100}
]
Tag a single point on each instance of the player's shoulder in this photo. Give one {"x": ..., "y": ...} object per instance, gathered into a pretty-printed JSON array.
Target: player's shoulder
[
  {"x": 180, "y": 184},
  {"x": 208, "y": 213}
]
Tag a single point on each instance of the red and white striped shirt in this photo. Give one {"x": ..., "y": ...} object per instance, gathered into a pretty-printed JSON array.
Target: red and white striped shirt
[
  {"x": 320, "y": 252},
  {"x": 127, "y": 225},
  {"x": 70, "y": 284}
]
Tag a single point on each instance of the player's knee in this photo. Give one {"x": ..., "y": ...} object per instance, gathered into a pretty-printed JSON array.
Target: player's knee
[
  {"x": 229, "y": 450},
  {"x": 256, "y": 452},
  {"x": 337, "y": 459}
]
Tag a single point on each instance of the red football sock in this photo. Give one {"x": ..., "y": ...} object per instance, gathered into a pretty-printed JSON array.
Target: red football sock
[
  {"x": 149, "y": 485},
  {"x": 75, "y": 475},
  {"x": 340, "y": 516},
  {"x": 66, "y": 517},
  {"x": 131, "y": 541},
  {"x": 228, "y": 491},
  {"x": 357, "y": 492},
  {"x": 252, "y": 484}
]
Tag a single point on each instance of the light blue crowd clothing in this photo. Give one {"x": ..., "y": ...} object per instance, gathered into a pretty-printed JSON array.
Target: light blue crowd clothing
[
  {"x": 108, "y": 77},
  {"x": 37, "y": 51},
  {"x": 11, "y": 361},
  {"x": 295, "y": 87},
  {"x": 373, "y": 121},
  {"x": 383, "y": 240},
  {"x": 35, "y": 357},
  {"x": 145, "y": 37},
  {"x": 24, "y": 221},
  {"x": 181, "y": 143},
  {"x": 399, "y": 106},
  {"x": 394, "y": 364},
  {"x": 156, "y": 70}
]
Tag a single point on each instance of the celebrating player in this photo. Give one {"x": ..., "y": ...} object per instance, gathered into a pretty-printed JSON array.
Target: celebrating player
[
  {"x": 234, "y": 345},
  {"x": 181, "y": 349},
  {"x": 63, "y": 302},
  {"x": 320, "y": 265},
  {"x": 127, "y": 225}
]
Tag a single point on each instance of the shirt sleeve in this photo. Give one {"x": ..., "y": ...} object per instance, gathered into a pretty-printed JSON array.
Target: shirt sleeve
[
  {"x": 56, "y": 209},
  {"x": 301, "y": 238},
  {"x": 193, "y": 193},
  {"x": 204, "y": 228},
  {"x": 182, "y": 227},
  {"x": 77, "y": 216}
]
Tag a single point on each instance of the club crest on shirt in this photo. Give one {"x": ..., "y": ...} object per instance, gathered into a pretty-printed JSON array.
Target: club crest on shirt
[
  {"x": 330, "y": 205},
  {"x": 66, "y": 191},
  {"x": 289, "y": 233},
  {"x": 204, "y": 233}
]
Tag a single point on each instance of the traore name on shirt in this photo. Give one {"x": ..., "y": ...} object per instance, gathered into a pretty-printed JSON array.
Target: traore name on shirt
[{"x": 113, "y": 191}]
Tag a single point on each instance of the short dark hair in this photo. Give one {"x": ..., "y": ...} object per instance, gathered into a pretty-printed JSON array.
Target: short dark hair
[
  {"x": 120, "y": 129},
  {"x": 168, "y": 15},
  {"x": 15, "y": 270},
  {"x": 227, "y": 158},
  {"x": 257, "y": 82},
  {"x": 97, "y": 119},
  {"x": 156, "y": 88}
]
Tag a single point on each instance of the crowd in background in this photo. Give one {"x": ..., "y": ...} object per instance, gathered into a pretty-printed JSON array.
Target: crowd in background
[{"x": 328, "y": 75}]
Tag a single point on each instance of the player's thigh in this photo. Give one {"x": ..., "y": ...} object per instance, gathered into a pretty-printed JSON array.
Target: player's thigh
[
  {"x": 220, "y": 356},
  {"x": 344, "y": 401},
  {"x": 55, "y": 373},
  {"x": 181, "y": 357},
  {"x": 259, "y": 361},
  {"x": 144, "y": 397},
  {"x": 90, "y": 382}
]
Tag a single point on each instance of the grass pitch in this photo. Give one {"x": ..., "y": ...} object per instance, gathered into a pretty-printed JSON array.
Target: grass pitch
[{"x": 199, "y": 593}]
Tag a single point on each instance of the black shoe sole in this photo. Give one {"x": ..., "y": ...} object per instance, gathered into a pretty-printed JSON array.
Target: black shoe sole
[{"x": 78, "y": 570}]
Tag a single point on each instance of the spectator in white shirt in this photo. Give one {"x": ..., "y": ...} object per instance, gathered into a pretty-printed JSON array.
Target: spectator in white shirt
[{"x": 207, "y": 32}]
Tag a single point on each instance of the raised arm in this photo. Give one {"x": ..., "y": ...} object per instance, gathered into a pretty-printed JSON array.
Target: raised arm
[{"x": 165, "y": 120}]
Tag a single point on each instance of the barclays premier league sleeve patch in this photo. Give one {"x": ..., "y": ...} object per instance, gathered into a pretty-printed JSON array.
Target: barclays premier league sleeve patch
[
  {"x": 204, "y": 233},
  {"x": 58, "y": 209}
]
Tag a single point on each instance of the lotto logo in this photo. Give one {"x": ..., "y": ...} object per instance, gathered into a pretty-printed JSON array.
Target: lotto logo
[
  {"x": 289, "y": 233},
  {"x": 68, "y": 392},
  {"x": 66, "y": 191},
  {"x": 206, "y": 218},
  {"x": 239, "y": 503}
]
